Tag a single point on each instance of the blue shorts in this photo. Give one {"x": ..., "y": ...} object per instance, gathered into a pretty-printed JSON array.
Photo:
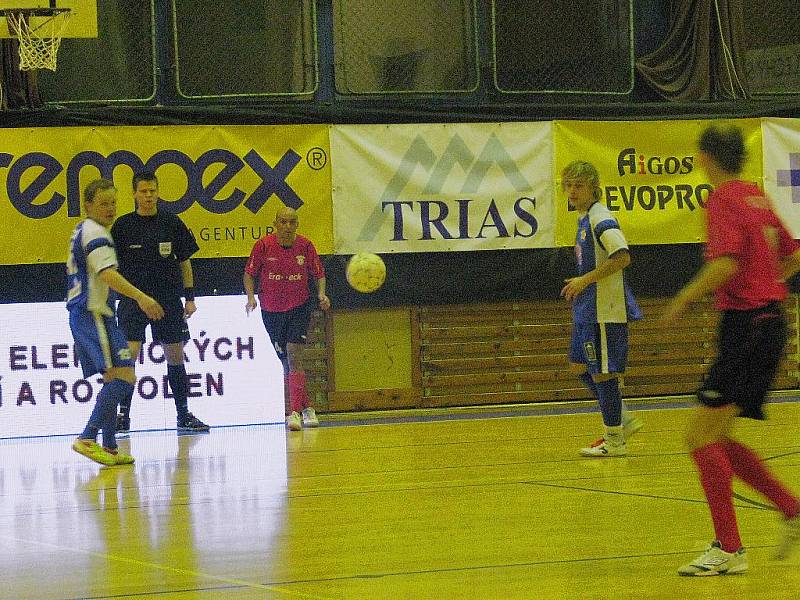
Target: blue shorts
[
  {"x": 99, "y": 343},
  {"x": 602, "y": 347}
]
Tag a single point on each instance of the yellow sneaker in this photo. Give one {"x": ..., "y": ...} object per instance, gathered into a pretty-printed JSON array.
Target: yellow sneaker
[
  {"x": 93, "y": 451},
  {"x": 294, "y": 422},
  {"x": 715, "y": 561},
  {"x": 120, "y": 458},
  {"x": 790, "y": 539}
]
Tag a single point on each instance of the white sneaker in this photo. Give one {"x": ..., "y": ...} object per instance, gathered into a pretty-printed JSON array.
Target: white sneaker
[
  {"x": 790, "y": 538},
  {"x": 606, "y": 448},
  {"x": 715, "y": 561},
  {"x": 310, "y": 417},
  {"x": 631, "y": 426},
  {"x": 294, "y": 422}
]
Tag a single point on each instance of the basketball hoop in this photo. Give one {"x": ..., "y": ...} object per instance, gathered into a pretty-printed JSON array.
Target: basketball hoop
[{"x": 38, "y": 31}]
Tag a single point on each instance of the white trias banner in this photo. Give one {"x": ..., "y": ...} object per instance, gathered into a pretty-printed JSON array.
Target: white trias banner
[
  {"x": 440, "y": 187},
  {"x": 781, "y": 143},
  {"x": 235, "y": 378}
]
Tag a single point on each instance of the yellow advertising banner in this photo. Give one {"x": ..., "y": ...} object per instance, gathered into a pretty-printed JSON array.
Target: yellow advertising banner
[
  {"x": 225, "y": 182},
  {"x": 649, "y": 175}
]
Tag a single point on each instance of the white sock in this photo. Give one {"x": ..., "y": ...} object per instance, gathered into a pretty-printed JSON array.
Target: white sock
[{"x": 614, "y": 435}]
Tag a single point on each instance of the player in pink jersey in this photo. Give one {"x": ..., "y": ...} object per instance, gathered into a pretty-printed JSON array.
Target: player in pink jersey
[
  {"x": 749, "y": 254},
  {"x": 283, "y": 263}
]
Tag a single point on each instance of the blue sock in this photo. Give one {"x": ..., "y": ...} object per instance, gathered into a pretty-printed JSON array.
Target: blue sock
[
  {"x": 104, "y": 415},
  {"x": 125, "y": 404},
  {"x": 610, "y": 402},
  {"x": 587, "y": 380}
]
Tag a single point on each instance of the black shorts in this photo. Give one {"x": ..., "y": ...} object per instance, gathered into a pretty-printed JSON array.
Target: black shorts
[
  {"x": 751, "y": 344},
  {"x": 172, "y": 329},
  {"x": 288, "y": 326}
]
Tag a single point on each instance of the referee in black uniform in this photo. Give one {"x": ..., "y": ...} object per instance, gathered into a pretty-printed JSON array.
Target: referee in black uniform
[{"x": 153, "y": 250}]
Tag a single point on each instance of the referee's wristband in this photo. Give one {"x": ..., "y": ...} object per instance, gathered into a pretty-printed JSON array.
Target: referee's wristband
[{"x": 188, "y": 293}]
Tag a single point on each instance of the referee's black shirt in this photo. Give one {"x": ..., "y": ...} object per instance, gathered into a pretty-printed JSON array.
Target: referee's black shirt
[{"x": 150, "y": 251}]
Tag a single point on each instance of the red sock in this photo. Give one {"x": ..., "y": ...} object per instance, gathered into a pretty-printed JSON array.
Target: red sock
[
  {"x": 749, "y": 467},
  {"x": 716, "y": 477},
  {"x": 298, "y": 398}
]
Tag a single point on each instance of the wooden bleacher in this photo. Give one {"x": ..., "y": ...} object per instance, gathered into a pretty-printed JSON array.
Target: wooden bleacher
[{"x": 517, "y": 352}]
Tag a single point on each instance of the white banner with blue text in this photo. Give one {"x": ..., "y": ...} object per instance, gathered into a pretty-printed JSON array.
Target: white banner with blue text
[
  {"x": 235, "y": 378},
  {"x": 442, "y": 187}
]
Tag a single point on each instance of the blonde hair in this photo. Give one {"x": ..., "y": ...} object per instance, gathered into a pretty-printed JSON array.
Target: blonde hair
[
  {"x": 580, "y": 169},
  {"x": 95, "y": 187}
]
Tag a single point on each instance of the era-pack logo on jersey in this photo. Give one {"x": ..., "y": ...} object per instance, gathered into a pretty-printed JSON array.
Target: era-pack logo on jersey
[
  {"x": 30, "y": 174},
  {"x": 641, "y": 191},
  {"x": 459, "y": 218}
]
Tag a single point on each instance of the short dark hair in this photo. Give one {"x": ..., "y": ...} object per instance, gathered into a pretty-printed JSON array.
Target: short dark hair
[
  {"x": 143, "y": 176},
  {"x": 96, "y": 186},
  {"x": 725, "y": 145}
]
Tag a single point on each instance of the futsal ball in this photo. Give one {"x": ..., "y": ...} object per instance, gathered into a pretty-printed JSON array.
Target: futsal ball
[{"x": 366, "y": 272}]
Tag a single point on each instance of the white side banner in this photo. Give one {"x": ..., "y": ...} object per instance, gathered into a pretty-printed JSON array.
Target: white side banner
[
  {"x": 781, "y": 143},
  {"x": 440, "y": 187},
  {"x": 235, "y": 378}
]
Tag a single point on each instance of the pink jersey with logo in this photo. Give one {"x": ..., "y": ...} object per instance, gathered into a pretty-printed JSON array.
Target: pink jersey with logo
[
  {"x": 283, "y": 273},
  {"x": 742, "y": 225}
]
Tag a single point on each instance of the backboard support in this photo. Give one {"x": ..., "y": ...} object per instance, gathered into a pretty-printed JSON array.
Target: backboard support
[{"x": 82, "y": 22}]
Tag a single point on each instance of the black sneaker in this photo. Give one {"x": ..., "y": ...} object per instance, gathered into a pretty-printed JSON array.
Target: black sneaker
[
  {"x": 123, "y": 424},
  {"x": 191, "y": 423}
]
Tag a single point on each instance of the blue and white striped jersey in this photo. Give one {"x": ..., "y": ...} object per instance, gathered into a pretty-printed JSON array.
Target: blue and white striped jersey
[
  {"x": 91, "y": 250},
  {"x": 609, "y": 300}
]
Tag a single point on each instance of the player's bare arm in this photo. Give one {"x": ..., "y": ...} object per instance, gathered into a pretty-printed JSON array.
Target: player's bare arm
[
  {"x": 714, "y": 274},
  {"x": 118, "y": 283},
  {"x": 250, "y": 289},
  {"x": 575, "y": 285},
  {"x": 324, "y": 301},
  {"x": 790, "y": 265},
  {"x": 187, "y": 275}
]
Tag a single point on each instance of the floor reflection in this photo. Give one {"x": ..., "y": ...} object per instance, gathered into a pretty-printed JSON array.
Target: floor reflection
[{"x": 188, "y": 504}]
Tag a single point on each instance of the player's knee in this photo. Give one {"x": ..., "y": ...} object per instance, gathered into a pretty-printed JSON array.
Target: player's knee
[
  {"x": 691, "y": 440},
  {"x": 126, "y": 374},
  {"x": 601, "y": 377},
  {"x": 697, "y": 437},
  {"x": 712, "y": 398},
  {"x": 577, "y": 369},
  {"x": 294, "y": 363},
  {"x": 174, "y": 353},
  {"x": 294, "y": 356}
]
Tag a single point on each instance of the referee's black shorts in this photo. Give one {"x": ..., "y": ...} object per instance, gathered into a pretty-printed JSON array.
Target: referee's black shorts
[
  {"x": 751, "y": 344},
  {"x": 172, "y": 329}
]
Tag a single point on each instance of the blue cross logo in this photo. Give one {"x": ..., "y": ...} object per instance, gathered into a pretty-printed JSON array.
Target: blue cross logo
[{"x": 791, "y": 177}]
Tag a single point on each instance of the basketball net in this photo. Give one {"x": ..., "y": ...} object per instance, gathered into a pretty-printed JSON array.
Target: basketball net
[{"x": 38, "y": 46}]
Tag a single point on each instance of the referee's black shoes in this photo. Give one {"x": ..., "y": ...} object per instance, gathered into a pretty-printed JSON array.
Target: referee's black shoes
[{"x": 192, "y": 423}]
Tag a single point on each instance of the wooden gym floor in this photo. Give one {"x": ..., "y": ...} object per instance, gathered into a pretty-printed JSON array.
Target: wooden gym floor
[{"x": 442, "y": 507}]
